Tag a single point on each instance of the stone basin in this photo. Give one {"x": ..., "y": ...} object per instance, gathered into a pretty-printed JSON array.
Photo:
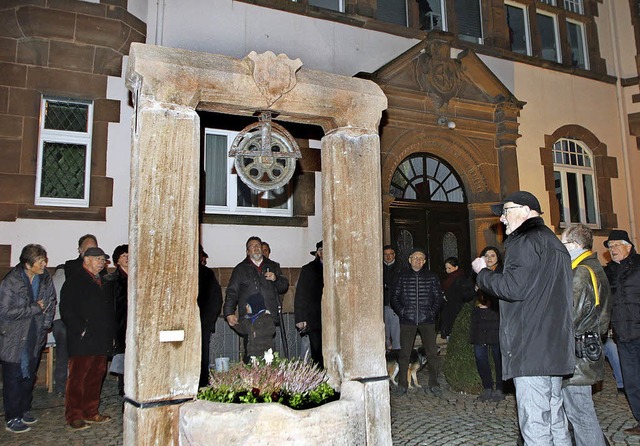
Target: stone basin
[{"x": 339, "y": 422}]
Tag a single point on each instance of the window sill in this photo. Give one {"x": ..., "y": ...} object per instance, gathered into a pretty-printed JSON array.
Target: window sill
[{"x": 254, "y": 220}]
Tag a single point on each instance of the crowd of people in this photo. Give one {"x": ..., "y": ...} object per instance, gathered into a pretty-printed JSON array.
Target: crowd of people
[
  {"x": 547, "y": 314},
  {"x": 542, "y": 315}
]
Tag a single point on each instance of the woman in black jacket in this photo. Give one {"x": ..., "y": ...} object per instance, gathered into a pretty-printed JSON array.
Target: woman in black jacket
[
  {"x": 485, "y": 333},
  {"x": 458, "y": 290}
]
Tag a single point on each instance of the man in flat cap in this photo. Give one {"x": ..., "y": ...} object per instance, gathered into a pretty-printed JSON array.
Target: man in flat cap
[
  {"x": 624, "y": 276},
  {"x": 536, "y": 326},
  {"x": 87, "y": 310}
]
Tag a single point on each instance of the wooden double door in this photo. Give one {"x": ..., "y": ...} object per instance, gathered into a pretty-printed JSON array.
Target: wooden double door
[{"x": 442, "y": 229}]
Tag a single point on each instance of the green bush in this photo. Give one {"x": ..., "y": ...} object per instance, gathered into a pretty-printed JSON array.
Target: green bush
[{"x": 459, "y": 363}]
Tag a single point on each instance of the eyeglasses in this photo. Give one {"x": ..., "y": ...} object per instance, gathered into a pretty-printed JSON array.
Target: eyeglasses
[
  {"x": 615, "y": 245},
  {"x": 418, "y": 258},
  {"x": 505, "y": 211}
]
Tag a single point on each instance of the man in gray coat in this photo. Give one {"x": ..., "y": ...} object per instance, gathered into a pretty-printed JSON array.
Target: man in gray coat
[{"x": 536, "y": 327}]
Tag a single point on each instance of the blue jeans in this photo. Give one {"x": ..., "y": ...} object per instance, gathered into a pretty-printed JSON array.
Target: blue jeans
[
  {"x": 611, "y": 353},
  {"x": 578, "y": 405},
  {"x": 17, "y": 392},
  {"x": 484, "y": 368},
  {"x": 630, "y": 363},
  {"x": 391, "y": 328},
  {"x": 540, "y": 414}
]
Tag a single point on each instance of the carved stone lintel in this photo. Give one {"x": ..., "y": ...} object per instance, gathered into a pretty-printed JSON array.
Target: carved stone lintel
[{"x": 274, "y": 75}]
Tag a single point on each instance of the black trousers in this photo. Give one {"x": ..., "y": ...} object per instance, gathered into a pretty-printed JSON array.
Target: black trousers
[
  {"x": 407, "y": 339},
  {"x": 17, "y": 391}
]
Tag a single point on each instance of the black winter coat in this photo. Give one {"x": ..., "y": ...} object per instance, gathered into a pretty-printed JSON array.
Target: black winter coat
[
  {"x": 624, "y": 278},
  {"x": 417, "y": 298},
  {"x": 390, "y": 274},
  {"x": 116, "y": 285},
  {"x": 247, "y": 280},
  {"x": 536, "y": 328},
  {"x": 209, "y": 299},
  {"x": 458, "y": 290},
  {"x": 308, "y": 301},
  {"x": 87, "y": 311}
]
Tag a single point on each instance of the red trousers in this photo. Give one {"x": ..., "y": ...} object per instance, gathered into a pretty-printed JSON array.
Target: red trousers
[{"x": 82, "y": 397}]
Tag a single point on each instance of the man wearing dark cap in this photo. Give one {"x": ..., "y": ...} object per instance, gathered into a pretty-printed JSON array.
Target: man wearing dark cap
[
  {"x": 624, "y": 276},
  {"x": 417, "y": 299},
  {"x": 536, "y": 326},
  {"x": 87, "y": 310},
  {"x": 307, "y": 304}
]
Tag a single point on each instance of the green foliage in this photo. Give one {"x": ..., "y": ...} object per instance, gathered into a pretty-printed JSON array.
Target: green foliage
[
  {"x": 270, "y": 379},
  {"x": 459, "y": 364}
]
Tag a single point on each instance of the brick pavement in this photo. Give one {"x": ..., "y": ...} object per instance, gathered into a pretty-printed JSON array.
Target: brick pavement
[{"x": 416, "y": 419}]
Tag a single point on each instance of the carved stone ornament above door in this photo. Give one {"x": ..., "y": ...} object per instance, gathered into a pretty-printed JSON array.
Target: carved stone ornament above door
[
  {"x": 274, "y": 75},
  {"x": 436, "y": 72}
]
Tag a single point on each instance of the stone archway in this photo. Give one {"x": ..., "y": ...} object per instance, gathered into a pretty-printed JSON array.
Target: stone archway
[{"x": 168, "y": 86}]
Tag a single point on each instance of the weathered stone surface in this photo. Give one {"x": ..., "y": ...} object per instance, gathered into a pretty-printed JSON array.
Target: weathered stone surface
[
  {"x": 337, "y": 423},
  {"x": 224, "y": 84}
]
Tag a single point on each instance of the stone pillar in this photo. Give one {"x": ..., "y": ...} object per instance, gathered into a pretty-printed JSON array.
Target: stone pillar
[
  {"x": 163, "y": 332},
  {"x": 353, "y": 327}
]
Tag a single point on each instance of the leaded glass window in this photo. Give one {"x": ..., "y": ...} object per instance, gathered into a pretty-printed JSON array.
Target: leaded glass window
[
  {"x": 425, "y": 178},
  {"x": 64, "y": 153}
]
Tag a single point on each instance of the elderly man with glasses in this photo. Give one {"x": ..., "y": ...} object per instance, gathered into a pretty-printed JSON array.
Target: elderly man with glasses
[
  {"x": 417, "y": 300},
  {"x": 536, "y": 327},
  {"x": 624, "y": 276}
]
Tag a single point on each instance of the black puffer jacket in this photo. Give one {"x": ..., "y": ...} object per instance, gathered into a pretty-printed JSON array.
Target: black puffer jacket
[
  {"x": 624, "y": 278},
  {"x": 536, "y": 329},
  {"x": 589, "y": 317},
  {"x": 246, "y": 280},
  {"x": 418, "y": 297}
]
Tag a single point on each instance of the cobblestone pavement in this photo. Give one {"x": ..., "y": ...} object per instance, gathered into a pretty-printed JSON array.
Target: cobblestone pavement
[{"x": 416, "y": 419}]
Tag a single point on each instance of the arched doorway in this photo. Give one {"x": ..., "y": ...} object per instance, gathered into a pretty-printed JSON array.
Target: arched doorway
[{"x": 429, "y": 210}]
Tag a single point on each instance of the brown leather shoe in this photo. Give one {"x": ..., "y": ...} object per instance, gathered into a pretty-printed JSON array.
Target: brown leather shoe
[
  {"x": 635, "y": 430},
  {"x": 98, "y": 419},
  {"x": 78, "y": 425}
]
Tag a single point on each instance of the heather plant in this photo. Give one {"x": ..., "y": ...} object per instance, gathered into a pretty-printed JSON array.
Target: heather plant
[{"x": 296, "y": 383}]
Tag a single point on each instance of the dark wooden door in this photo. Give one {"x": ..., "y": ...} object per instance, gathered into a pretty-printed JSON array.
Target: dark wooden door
[{"x": 442, "y": 229}]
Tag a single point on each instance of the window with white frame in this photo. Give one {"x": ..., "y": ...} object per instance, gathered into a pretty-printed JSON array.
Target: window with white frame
[
  {"x": 549, "y": 36},
  {"x": 577, "y": 43},
  {"x": 573, "y": 6},
  {"x": 64, "y": 153},
  {"x": 226, "y": 193},
  {"x": 575, "y": 183},
  {"x": 548, "y": 2},
  {"x": 392, "y": 11},
  {"x": 334, "y": 5},
  {"x": 469, "y": 20},
  {"x": 518, "y": 25},
  {"x": 432, "y": 14}
]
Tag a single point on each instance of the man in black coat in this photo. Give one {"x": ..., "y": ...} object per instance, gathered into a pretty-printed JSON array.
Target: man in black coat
[
  {"x": 253, "y": 292},
  {"x": 390, "y": 272},
  {"x": 88, "y": 312},
  {"x": 209, "y": 304},
  {"x": 624, "y": 276},
  {"x": 417, "y": 300},
  {"x": 308, "y": 304},
  {"x": 536, "y": 326}
]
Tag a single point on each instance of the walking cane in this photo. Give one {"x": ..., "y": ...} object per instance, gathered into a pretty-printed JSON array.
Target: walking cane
[{"x": 283, "y": 331}]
